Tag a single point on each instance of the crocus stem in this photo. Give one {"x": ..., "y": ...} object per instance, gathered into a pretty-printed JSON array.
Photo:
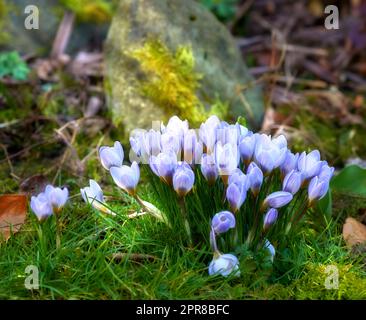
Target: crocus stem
[
  {"x": 183, "y": 207},
  {"x": 301, "y": 215},
  {"x": 58, "y": 232},
  {"x": 213, "y": 240}
]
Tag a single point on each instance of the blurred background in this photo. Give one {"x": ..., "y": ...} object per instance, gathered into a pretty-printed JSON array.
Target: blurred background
[{"x": 55, "y": 105}]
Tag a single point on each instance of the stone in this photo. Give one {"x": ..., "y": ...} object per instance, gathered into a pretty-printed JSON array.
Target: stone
[
  {"x": 354, "y": 232},
  {"x": 39, "y": 41},
  {"x": 191, "y": 42}
]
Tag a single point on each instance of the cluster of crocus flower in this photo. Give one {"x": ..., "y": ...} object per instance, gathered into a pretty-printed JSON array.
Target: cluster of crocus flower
[
  {"x": 221, "y": 184},
  {"x": 49, "y": 202}
]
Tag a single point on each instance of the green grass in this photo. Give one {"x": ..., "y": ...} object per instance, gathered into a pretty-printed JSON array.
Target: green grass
[{"x": 83, "y": 268}]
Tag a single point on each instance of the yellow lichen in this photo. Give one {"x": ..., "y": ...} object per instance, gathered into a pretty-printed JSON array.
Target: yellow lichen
[{"x": 171, "y": 81}]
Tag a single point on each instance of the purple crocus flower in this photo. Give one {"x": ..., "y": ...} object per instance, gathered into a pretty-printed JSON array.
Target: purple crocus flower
[
  {"x": 145, "y": 144},
  {"x": 292, "y": 182},
  {"x": 111, "y": 156},
  {"x": 270, "y": 248},
  {"x": 223, "y": 221},
  {"x": 278, "y": 199},
  {"x": 209, "y": 168},
  {"x": 247, "y": 146},
  {"x": 270, "y": 218},
  {"x": 309, "y": 164},
  {"x": 224, "y": 264},
  {"x": 227, "y": 159},
  {"x": 164, "y": 165},
  {"x": 192, "y": 148},
  {"x": 326, "y": 172},
  {"x": 290, "y": 162},
  {"x": 170, "y": 141},
  {"x": 126, "y": 177},
  {"x": 208, "y": 134},
  {"x": 317, "y": 189},
  {"x": 255, "y": 176},
  {"x": 93, "y": 194},
  {"x": 57, "y": 197},
  {"x": 183, "y": 179},
  {"x": 41, "y": 206},
  {"x": 227, "y": 133},
  {"x": 269, "y": 154},
  {"x": 236, "y": 192},
  {"x": 176, "y": 127}
]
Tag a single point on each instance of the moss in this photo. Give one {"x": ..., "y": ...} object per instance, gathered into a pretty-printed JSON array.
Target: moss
[
  {"x": 97, "y": 11},
  {"x": 351, "y": 285},
  {"x": 171, "y": 81},
  {"x": 317, "y": 130},
  {"x": 3, "y": 17}
]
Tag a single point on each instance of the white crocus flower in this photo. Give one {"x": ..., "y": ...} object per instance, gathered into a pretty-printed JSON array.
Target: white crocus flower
[
  {"x": 94, "y": 195},
  {"x": 111, "y": 156}
]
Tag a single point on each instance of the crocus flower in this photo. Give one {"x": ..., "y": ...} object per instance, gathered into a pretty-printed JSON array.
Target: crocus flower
[
  {"x": 170, "y": 142},
  {"x": 57, "y": 197},
  {"x": 41, "y": 206},
  {"x": 183, "y": 179},
  {"x": 255, "y": 176},
  {"x": 247, "y": 146},
  {"x": 209, "y": 168},
  {"x": 292, "y": 182},
  {"x": 227, "y": 133},
  {"x": 270, "y": 248},
  {"x": 208, "y": 133},
  {"x": 317, "y": 189},
  {"x": 309, "y": 165},
  {"x": 164, "y": 165},
  {"x": 278, "y": 199},
  {"x": 192, "y": 148},
  {"x": 150, "y": 144},
  {"x": 111, "y": 156},
  {"x": 236, "y": 192},
  {"x": 326, "y": 172},
  {"x": 270, "y": 218},
  {"x": 290, "y": 162},
  {"x": 224, "y": 264},
  {"x": 223, "y": 221},
  {"x": 176, "y": 127},
  {"x": 126, "y": 177},
  {"x": 227, "y": 159},
  {"x": 269, "y": 154},
  {"x": 94, "y": 195}
]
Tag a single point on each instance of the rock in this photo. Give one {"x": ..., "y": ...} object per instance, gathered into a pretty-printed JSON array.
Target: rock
[
  {"x": 206, "y": 65},
  {"x": 354, "y": 232},
  {"x": 39, "y": 41}
]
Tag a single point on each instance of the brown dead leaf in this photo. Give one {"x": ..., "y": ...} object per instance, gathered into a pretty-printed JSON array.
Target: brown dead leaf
[
  {"x": 13, "y": 209},
  {"x": 354, "y": 232}
]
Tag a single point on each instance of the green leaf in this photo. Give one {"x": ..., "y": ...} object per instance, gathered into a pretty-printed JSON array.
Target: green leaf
[
  {"x": 12, "y": 65},
  {"x": 241, "y": 120},
  {"x": 325, "y": 205},
  {"x": 352, "y": 180}
]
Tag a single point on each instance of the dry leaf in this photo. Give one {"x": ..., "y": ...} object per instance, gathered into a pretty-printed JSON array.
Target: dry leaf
[
  {"x": 354, "y": 232},
  {"x": 13, "y": 209}
]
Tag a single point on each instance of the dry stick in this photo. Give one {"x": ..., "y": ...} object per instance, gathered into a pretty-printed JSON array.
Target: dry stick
[
  {"x": 68, "y": 143},
  {"x": 63, "y": 34},
  {"x": 243, "y": 9}
]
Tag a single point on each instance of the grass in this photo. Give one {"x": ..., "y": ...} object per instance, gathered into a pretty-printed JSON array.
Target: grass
[{"x": 83, "y": 267}]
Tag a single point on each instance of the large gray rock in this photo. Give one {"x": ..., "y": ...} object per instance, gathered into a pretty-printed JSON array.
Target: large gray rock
[{"x": 175, "y": 23}]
